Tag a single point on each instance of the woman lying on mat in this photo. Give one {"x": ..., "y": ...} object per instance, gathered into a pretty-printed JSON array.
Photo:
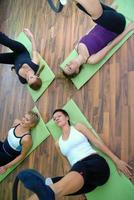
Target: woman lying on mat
[
  {"x": 18, "y": 141},
  {"x": 26, "y": 68},
  {"x": 108, "y": 30},
  {"x": 88, "y": 168}
]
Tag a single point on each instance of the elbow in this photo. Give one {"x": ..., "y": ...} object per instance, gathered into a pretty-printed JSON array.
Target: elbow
[
  {"x": 98, "y": 145},
  {"x": 92, "y": 60},
  {"x": 21, "y": 157}
]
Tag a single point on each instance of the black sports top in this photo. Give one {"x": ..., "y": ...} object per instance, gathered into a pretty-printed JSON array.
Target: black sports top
[{"x": 24, "y": 58}]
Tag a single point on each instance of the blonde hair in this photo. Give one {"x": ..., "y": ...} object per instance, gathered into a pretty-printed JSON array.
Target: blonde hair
[{"x": 34, "y": 117}]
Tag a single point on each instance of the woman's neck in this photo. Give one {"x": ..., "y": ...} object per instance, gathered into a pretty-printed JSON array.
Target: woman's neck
[
  {"x": 29, "y": 73},
  {"x": 21, "y": 130},
  {"x": 81, "y": 59},
  {"x": 65, "y": 129},
  {"x": 24, "y": 129}
]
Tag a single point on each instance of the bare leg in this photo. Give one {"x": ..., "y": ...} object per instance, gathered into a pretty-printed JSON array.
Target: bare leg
[
  {"x": 7, "y": 58},
  {"x": 100, "y": 55},
  {"x": 93, "y": 7},
  {"x": 69, "y": 184},
  {"x": 12, "y": 44}
]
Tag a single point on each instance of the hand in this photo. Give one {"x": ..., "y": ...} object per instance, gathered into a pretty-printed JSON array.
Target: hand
[
  {"x": 28, "y": 32},
  {"x": 2, "y": 170},
  {"x": 124, "y": 168}
]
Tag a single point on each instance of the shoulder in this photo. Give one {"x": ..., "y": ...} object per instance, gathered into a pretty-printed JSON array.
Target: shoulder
[
  {"x": 79, "y": 126},
  {"x": 27, "y": 139},
  {"x": 82, "y": 128}
]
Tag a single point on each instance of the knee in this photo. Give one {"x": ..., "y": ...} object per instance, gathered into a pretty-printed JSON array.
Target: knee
[{"x": 58, "y": 189}]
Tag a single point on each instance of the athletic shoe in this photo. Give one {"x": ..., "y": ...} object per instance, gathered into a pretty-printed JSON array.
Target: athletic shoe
[
  {"x": 35, "y": 182},
  {"x": 63, "y": 2}
]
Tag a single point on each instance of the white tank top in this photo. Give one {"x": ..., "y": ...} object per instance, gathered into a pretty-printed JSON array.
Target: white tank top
[
  {"x": 76, "y": 147},
  {"x": 15, "y": 141}
]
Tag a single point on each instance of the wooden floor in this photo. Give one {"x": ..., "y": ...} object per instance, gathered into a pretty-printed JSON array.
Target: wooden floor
[{"x": 107, "y": 100}]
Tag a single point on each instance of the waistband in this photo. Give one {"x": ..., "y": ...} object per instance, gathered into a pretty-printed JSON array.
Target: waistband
[
  {"x": 6, "y": 151},
  {"x": 9, "y": 150},
  {"x": 90, "y": 157}
]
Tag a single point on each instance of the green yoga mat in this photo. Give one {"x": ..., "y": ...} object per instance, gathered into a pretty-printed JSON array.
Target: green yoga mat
[
  {"x": 46, "y": 75},
  {"x": 118, "y": 187},
  {"x": 126, "y": 7},
  {"x": 88, "y": 70},
  {"x": 39, "y": 134}
]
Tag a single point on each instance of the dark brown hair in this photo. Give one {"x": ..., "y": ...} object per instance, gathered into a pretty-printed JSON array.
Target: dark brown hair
[
  {"x": 70, "y": 75},
  {"x": 36, "y": 85}
]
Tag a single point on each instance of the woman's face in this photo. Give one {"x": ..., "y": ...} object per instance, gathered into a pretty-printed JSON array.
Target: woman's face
[
  {"x": 60, "y": 119},
  {"x": 27, "y": 121},
  {"x": 71, "y": 68},
  {"x": 32, "y": 79}
]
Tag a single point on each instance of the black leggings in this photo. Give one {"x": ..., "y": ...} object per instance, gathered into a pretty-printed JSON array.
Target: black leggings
[
  {"x": 16, "y": 47},
  {"x": 5, "y": 157},
  {"x": 95, "y": 172},
  {"x": 110, "y": 19}
]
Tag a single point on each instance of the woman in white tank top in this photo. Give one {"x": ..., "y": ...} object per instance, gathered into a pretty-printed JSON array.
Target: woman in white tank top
[
  {"x": 18, "y": 141},
  {"x": 88, "y": 168}
]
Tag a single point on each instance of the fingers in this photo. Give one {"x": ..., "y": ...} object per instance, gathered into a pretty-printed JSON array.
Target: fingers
[
  {"x": 127, "y": 172},
  {"x": 129, "y": 167},
  {"x": 26, "y": 29},
  {"x": 125, "y": 169}
]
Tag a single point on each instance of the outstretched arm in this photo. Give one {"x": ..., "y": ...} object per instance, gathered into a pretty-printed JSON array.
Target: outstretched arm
[
  {"x": 121, "y": 165},
  {"x": 102, "y": 53},
  {"x": 35, "y": 56}
]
